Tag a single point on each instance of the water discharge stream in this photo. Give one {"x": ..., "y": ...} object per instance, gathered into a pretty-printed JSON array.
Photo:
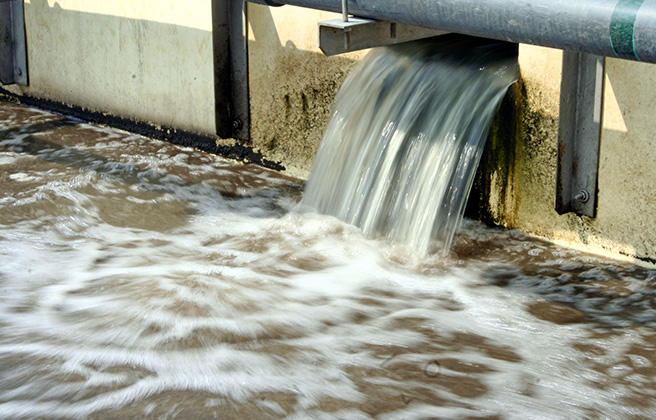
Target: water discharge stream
[
  {"x": 143, "y": 280},
  {"x": 409, "y": 125}
]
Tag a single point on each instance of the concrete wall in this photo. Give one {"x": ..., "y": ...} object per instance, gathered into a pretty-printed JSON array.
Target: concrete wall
[
  {"x": 521, "y": 181},
  {"x": 147, "y": 60}
]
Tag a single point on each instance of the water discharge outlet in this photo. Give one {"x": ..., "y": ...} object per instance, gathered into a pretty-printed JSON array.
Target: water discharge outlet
[{"x": 408, "y": 128}]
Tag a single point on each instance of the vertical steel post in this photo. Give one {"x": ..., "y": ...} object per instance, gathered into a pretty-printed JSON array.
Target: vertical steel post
[
  {"x": 612, "y": 28},
  {"x": 579, "y": 130},
  {"x": 239, "y": 69},
  {"x": 13, "y": 53},
  {"x": 221, "y": 57},
  {"x": 230, "y": 39}
]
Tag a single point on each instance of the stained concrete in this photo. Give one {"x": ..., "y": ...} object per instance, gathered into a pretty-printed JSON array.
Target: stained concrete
[
  {"x": 292, "y": 83},
  {"x": 626, "y": 207}
]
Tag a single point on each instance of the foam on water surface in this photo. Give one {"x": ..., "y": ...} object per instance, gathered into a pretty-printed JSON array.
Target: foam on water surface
[{"x": 139, "y": 279}]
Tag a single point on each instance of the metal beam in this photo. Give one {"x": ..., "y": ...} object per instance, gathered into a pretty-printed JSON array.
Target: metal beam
[
  {"x": 232, "y": 111},
  {"x": 579, "y": 130},
  {"x": 13, "y": 54},
  {"x": 338, "y": 36}
]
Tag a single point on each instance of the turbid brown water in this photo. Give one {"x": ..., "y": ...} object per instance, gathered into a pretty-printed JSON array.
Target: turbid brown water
[{"x": 143, "y": 280}]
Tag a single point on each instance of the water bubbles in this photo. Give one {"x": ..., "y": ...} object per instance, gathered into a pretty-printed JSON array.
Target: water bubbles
[{"x": 141, "y": 279}]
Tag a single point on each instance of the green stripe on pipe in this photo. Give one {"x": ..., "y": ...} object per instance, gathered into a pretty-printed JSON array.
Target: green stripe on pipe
[{"x": 622, "y": 26}]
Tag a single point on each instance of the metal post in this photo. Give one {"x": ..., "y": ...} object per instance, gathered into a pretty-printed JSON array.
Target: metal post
[
  {"x": 581, "y": 100},
  {"x": 13, "y": 54},
  {"x": 239, "y": 69},
  {"x": 232, "y": 110},
  {"x": 612, "y": 28}
]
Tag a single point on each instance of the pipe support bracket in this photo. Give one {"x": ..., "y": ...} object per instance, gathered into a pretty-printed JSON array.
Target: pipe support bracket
[{"x": 579, "y": 131}]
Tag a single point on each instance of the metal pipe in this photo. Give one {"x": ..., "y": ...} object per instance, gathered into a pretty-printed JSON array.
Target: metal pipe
[{"x": 612, "y": 28}]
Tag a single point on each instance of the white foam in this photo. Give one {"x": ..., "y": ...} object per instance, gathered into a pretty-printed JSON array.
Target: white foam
[{"x": 235, "y": 296}]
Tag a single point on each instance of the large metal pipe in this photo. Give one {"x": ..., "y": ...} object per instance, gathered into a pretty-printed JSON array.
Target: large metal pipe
[{"x": 613, "y": 28}]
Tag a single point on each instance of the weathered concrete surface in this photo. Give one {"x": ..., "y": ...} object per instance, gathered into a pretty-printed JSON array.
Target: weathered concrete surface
[
  {"x": 519, "y": 192},
  {"x": 149, "y": 61},
  {"x": 292, "y": 83},
  {"x": 628, "y": 151}
]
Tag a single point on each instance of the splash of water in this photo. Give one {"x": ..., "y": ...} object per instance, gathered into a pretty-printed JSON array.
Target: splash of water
[
  {"x": 143, "y": 280},
  {"x": 408, "y": 128}
]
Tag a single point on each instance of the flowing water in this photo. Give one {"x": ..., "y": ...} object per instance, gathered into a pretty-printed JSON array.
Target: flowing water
[
  {"x": 143, "y": 280},
  {"x": 408, "y": 128}
]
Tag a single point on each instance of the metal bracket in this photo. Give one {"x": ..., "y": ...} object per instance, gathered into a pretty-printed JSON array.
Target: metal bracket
[
  {"x": 232, "y": 109},
  {"x": 13, "y": 54},
  {"x": 351, "y": 34},
  {"x": 579, "y": 131}
]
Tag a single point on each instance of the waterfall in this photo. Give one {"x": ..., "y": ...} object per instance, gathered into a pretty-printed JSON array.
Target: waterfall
[{"x": 406, "y": 133}]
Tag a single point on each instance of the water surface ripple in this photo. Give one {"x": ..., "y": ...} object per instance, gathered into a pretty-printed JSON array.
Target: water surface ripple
[{"x": 143, "y": 280}]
